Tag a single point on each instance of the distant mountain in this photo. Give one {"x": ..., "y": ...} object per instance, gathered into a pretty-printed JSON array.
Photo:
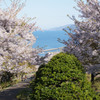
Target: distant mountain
[{"x": 62, "y": 27}]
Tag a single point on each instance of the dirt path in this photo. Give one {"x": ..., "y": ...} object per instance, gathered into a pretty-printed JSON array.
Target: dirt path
[{"x": 11, "y": 92}]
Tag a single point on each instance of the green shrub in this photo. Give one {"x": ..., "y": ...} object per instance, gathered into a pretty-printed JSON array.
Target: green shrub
[{"x": 63, "y": 78}]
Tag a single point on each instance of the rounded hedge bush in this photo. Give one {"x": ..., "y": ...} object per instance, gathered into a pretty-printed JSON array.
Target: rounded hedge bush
[{"x": 63, "y": 78}]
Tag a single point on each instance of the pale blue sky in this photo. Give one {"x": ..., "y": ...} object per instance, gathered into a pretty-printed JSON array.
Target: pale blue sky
[{"x": 49, "y": 13}]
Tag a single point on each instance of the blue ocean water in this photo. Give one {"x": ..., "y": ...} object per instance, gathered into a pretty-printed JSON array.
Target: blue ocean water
[{"x": 49, "y": 39}]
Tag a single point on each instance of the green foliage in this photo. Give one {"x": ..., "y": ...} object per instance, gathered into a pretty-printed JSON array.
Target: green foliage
[
  {"x": 63, "y": 78},
  {"x": 6, "y": 77},
  {"x": 5, "y": 85},
  {"x": 96, "y": 84}
]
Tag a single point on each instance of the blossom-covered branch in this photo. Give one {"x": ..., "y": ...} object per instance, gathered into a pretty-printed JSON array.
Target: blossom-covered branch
[
  {"x": 85, "y": 43},
  {"x": 16, "y": 39}
]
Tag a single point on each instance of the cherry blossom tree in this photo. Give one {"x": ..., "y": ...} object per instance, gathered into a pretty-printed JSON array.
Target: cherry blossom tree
[
  {"x": 85, "y": 42},
  {"x": 16, "y": 39}
]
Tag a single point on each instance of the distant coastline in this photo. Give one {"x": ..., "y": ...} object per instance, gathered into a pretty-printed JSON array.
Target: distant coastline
[{"x": 60, "y": 28}]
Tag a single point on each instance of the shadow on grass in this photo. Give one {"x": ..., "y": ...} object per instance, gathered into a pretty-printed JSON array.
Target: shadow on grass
[{"x": 10, "y": 94}]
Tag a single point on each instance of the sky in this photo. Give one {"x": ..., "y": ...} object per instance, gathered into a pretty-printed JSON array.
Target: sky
[{"x": 49, "y": 13}]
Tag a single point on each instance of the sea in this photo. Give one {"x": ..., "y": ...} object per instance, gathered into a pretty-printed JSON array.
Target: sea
[{"x": 49, "y": 39}]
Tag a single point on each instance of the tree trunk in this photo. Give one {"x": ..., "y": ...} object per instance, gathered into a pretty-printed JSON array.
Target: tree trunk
[{"x": 92, "y": 77}]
